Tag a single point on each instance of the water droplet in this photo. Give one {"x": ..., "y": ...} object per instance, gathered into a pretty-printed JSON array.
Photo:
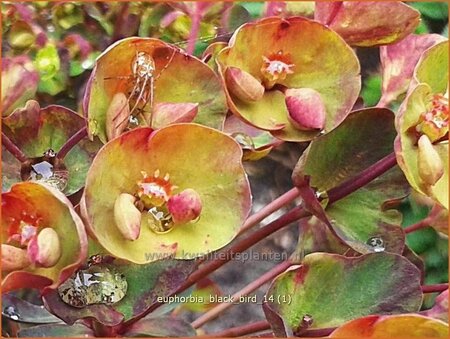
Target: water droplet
[
  {"x": 133, "y": 122},
  {"x": 47, "y": 169},
  {"x": 50, "y": 153},
  {"x": 376, "y": 243},
  {"x": 159, "y": 220},
  {"x": 323, "y": 198},
  {"x": 98, "y": 284},
  {"x": 11, "y": 313}
]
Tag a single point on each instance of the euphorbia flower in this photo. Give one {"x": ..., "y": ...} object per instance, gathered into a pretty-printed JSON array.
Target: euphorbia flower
[
  {"x": 43, "y": 239},
  {"x": 150, "y": 194},
  {"x": 293, "y": 77},
  {"x": 422, "y": 124},
  {"x": 145, "y": 82}
]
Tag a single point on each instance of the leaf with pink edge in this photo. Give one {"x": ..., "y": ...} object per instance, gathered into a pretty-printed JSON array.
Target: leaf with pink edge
[
  {"x": 35, "y": 130},
  {"x": 28, "y": 208},
  {"x": 20, "y": 81},
  {"x": 113, "y": 74},
  {"x": 329, "y": 161},
  {"x": 398, "y": 62},
  {"x": 145, "y": 283},
  {"x": 413, "y": 114},
  {"x": 392, "y": 326},
  {"x": 368, "y": 23},
  {"x": 327, "y": 290},
  {"x": 188, "y": 154},
  {"x": 432, "y": 65},
  {"x": 299, "y": 47}
]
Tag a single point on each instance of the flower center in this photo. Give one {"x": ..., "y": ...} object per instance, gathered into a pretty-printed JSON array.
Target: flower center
[
  {"x": 153, "y": 194},
  {"x": 434, "y": 122},
  {"x": 22, "y": 230},
  {"x": 275, "y": 68}
]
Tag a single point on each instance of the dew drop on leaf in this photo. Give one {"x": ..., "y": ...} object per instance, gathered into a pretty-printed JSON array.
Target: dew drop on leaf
[
  {"x": 376, "y": 243},
  {"x": 11, "y": 313},
  {"x": 98, "y": 284}
]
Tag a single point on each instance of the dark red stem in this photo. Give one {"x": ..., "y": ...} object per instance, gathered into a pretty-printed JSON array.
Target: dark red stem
[
  {"x": 13, "y": 149},
  {"x": 74, "y": 139},
  {"x": 417, "y": 226},
  {"x": 363, "y": 178},
  {"x": 434, "y": 288}
]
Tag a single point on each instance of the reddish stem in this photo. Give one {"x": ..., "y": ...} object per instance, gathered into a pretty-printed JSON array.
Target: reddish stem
[
  {"x": 195, "y": 27},
  {"x": 270, "y": 208},
  {"x": 363, "y": 178},
  {"x": 268, "y": 276},
  {"x": 74, "y": 139},
  {"x": 434, "y": 288},
  {"x": 241, "y": 330},
  {"x": 417, "y": 226},
  {"x": 13, "y": 149}
]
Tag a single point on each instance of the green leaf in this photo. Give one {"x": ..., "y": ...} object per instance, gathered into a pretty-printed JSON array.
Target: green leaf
[
  {"x": 432, "y": 10},
  {"x": 333, "y": 289},
  {"x": 371, "y": 91},
  {"x": 47, "y": 62}
]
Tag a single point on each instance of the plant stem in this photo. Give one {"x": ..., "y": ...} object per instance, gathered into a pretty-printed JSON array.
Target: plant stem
[
  {"x": 434, "y": 288},
  {"x": 193, "y": 34},
  {"x": 270, "y": 208},
  {"x": 13, "y": 149},
  {"x": 241, "y": 330},
  {"x": 268, "y": 276},
  {"x": 417, "y": 226},
  {"x": 73, "y": 140},
  {"x": 363, "y": 178}
]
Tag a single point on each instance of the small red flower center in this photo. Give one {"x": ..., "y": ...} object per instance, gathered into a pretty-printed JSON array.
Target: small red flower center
[
  {"x": 434, "y": 122},
  {"x": 22, "y": 230},
  {"x": 275, "y": 68},
  {"x": 154, "y": 190}
]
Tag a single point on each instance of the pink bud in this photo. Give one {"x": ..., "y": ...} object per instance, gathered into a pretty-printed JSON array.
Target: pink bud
[
  {"x": 185, "y": 206},
  {"x": 45, "y": 249},
  {"x": 170, "y": 113},
  {"x": 243, "y": 85},
  {"x": 306, "y": 109},
  {"x": 14, "y": 258},
  {"x": 127, "y": 216}
]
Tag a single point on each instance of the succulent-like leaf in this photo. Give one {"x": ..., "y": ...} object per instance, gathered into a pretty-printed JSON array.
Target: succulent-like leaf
[
  {"x": 188, "y": 153},
  {"x": 35, "y": 130},
  {"x": 195, "y": 83},
  {"x": 331, "y": 289},
  {"x": 55, "y": 211},
  {"x": 392, "y": 326},
  {"x": 20, "y": 82},
  {"x": 308, "y": 53},
  {"x": 368, "y": 23},
  {"x": 166, "y": 326}
]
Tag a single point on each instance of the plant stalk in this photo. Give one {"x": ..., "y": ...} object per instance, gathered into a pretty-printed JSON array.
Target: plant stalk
[
  {"x": 195, "y": 27},
  {"x": 417, "y": 226},
  {"x": 73, "y": 140},
  {"x": 13, "y": 149},
  {"x": 268, "y": 276},
  {"x": 270, "y": 208},
  {"x": 434, "y": 288}
]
